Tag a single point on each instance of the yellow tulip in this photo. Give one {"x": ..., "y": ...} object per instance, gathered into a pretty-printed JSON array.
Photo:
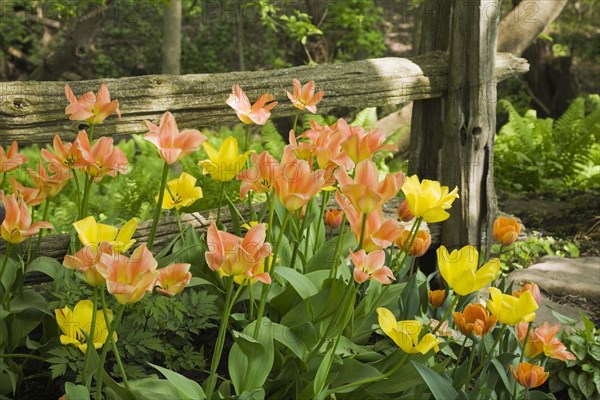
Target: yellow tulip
[
  {"x": 181, "y": 192},
  {"x": 428, "y": 199},
  {"x": 459, "y": 269},
  {"x": 73, "y": 324},
  {"x": 406, "y": 333},
  {"x": 511, "y": 310},
  {"x": 92, "y": 234},
  {"x": 225, "y": 164}
]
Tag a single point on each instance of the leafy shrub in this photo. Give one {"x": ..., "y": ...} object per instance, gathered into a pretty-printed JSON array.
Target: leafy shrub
[{"x": 536, "y": 154}]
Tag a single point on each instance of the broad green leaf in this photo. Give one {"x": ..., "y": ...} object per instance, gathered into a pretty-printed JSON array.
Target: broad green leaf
[
  {"x": 440, "y": 387},
  {"x": 150, "y": 388},
  {"x": 323, "y": 371},
  {"x": 353, "y": 370},
  {"x": 303, "y": 286},
  {"x": 323, "y": 258},
  {"x": 502, "y": 373},
  {"x": 538, "y": 395},
  {"x": 290, "y": 339},
  {"x": 586, "y": 384},
  {"x": 10, "y": 273},
  {"x": 45, "y": 265},
  {"x": 29, "y": 299},
  {"x": 192, "y": 390},
  {"x": 76, "y": 392}
]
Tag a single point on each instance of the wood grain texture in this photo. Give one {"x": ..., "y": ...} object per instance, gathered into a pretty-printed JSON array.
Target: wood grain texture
[{"x": 33, "y": 112}]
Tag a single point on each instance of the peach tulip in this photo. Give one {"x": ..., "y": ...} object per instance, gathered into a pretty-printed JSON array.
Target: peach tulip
[
  {"x": 17, "y": 225},
  {"x": 325, "y": 145},
  {"x": 370, "y": 266},
  {"x": 101, "y": 159},
  {"x": 259, "y": 177},
  {"x": 234, "y": 256},
  {"x": 11, "y": 159},
  {"x": 172, "y": 144},
  {"x": 129, "y": 278},
  {"x": 67, "y": 155},
  {"x": 92, "y": 108},
  {"x": 543, "y": 340},
  {"x": 304, "y": 97},
  {"x": 86, "y": 261},
  {"x": 361, "y": 145},
  {"x": 31, "y": 196},
  {"x": 365, "y": 191},
  {"x": 173, "y": 279},
  {"x": 295, "y": 183},
  {"x": 257, "y": 113},
  {"x": 333, "y": 218},
  {"x": 420, "y": 243},
  {"x": 51, "y": 184}
]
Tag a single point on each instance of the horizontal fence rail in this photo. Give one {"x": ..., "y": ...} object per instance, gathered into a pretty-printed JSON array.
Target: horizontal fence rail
[{"x": 33, "y": 112}]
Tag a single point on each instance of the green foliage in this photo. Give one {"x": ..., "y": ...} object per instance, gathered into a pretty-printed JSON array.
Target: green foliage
[
  {"x": 524, "y": 253},
  {"x": 580, "y": 379},
  {"x": 535, "y": 154}
]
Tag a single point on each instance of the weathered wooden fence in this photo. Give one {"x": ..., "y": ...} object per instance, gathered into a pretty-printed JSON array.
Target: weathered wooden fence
[{"x": 33, "y": 112}]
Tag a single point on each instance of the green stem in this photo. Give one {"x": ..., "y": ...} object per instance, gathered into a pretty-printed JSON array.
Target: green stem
[
  {"x": 91, "y": 133},
  {"x": 485, "y": 360},
  {"x": 86, "y": 196},
  {"x": 158, "y": 209},
  {"x": 302, "y": 229},
  {"x": 408, "y": 244},
  {"x": 271, "y": 199},
  {"x": 460, "y": 353},
  {"x": 233, "y": 207},
  {"x": 3, "y": 178},
  {"x": 90, "y": 339},
  {"x": 19, "y": 355},
  {"x": 324, "y": 203},
  {"x": 370, "y": 380},
  {"x": 270, "y": 268},
  {"x": 446, "y": 314},
  {"x": 338, "y": 245},
  {"x": 4, "y": 264},
  {"x": 250, "y": 302},
  {"x": 362, "y": 231},
  {"x": 529, "y": 325},
  {"x": 44, "y": 218},
  {"x": 296, "y": 121},
  {"x": 216, "y": 358},
  {"x": 111, "y": 330},
  {"x": 221, "y": 190},
  {"x": 178, "y": 218},
  {"x": 112, "y": 341}
]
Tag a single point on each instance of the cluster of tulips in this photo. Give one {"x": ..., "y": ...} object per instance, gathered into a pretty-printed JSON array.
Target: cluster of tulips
[{"x": 318, "y": 165}]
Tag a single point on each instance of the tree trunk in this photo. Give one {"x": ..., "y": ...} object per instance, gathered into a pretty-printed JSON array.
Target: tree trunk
[
  {"x": 75, "y": 46},
  {"x": 524, "y": 24},
  {"x": 171, "y": 62},
  {"x": 470, "y": 122}
]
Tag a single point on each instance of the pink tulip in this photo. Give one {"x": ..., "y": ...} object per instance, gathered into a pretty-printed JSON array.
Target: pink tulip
[
  {"x": 11, "y": 159},
  {"x": 361, "y": 145},
  {"x": 543, "y": 340},
  {"x": 92, "y": 108},
  {"x": 173, "y": 145},
  {"x": 49, "y": 184},
  {"x": 327, "y": 145},
  {"x": 17, "y": 225},
  {"x": 103, "y": 158},
  {"x": 258, "y": 113},
  {"x": 173, "y": 279},
  {"x": 260, "y": 175},
  {"x": 365, "y": 191},
  {"x": 370, "y": 266},
  {"x": 129, "y": 278},
  {"x": 31, "y": 196},
  {"x": 295, "y": 183},
  {"x": 234, "y": 256},
  {"x": 304, "y": 97},
  {"x": 66, "y": 154}
]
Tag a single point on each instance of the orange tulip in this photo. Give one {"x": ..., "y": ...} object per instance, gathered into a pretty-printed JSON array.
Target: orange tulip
[
  {"x": 365, "y": 191},
  {"x": 543, "y": 340},
  {"x": 529, "y": 375},
  {"x": 92, "y": 108},
  {"x": 379, "y": 233},
  {"x": 420, "y": 244},
  {"x": 258, "y": 113},
  {"x": 234, "y": 256},
  {"x": 304, "y": 97},
  {"x": 506, "y": 230},
  {"x": 31, "y": 196},
  {"x": 11, "y": 159},
  {"x": 370, "y": 266},
  {"x": 49, "y": 185},
  {"x": 172, "y": 144},
  {"x": 173, "y": 279},
  {"x": 361, "y": 145},
  {"x": 404, "y": 213},
  {"x": 530, "y": 287},
  {"x": 67, "y": 155},
  {"x": 436, "y": 297},
  {"x": 333, "y": 218},
  {"x": 101, "y": 159},
  {"x": 295, "y": 183},
  {"x": 474, "y": 319},
  {"x": 259, "y": 177},
  {"x": 17, "y": 225},
  {"x": 129, "y": 278},
  {"x": 86, "y": 261}
]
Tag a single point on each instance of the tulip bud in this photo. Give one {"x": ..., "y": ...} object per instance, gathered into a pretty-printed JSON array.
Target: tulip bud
[
  {"x": 419, "y": 246},
  {"x": 333, "y": 218},
  {"x": 404, "y": 213},
  {"x": 529, "y": 375},
  {"x": 506, "y": 230},
  {"x": 436, "y": 297},
  {"x": 530, "y": 287}
]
